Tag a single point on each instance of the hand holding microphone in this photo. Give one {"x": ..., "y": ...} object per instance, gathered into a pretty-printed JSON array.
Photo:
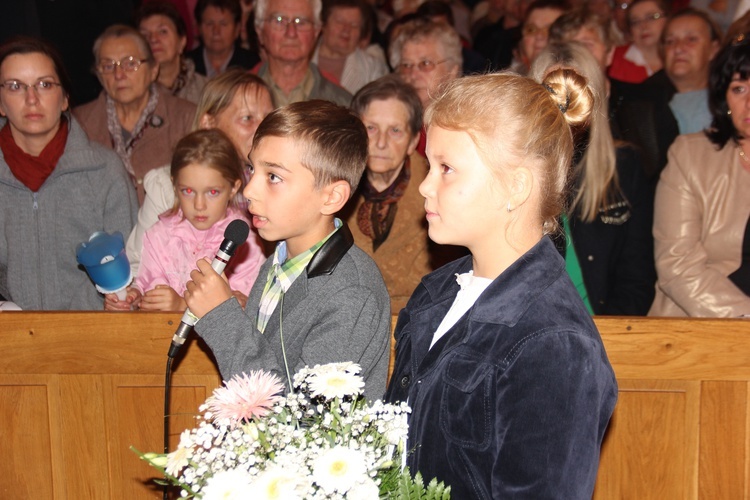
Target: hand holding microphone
[{"x": 204, "y": 284}]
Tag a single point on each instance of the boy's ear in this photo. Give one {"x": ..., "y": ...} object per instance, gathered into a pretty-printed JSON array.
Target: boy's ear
[{"x": 335, "y": 196}]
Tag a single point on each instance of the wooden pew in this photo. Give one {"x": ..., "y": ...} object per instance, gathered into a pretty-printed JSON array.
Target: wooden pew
[{"x": 78, "y": 389}]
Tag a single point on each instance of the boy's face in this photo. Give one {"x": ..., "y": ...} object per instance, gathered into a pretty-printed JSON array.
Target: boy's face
[{"x": 283, "y": 200}]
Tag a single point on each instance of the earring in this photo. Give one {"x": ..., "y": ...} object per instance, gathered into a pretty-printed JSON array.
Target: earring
[
  {"x": 508, "y": 207},
  {"x": 729, "y": 111}
]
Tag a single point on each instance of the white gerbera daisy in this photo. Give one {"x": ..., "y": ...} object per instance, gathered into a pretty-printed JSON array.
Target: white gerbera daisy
[
  {"x": 279, "y": 483},
  {"x": 336, "y": 384},
  {"x": 364, "y": 490},
  {"x": 233, "y": 484},
  {"x": 338, "y": 469}
]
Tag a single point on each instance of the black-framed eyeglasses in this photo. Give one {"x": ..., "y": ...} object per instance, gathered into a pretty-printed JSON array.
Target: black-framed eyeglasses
[
  {"x": 281, "y": 23},
  {"x": 17, "y": 87},
  {"x": 129, "y": 64}
]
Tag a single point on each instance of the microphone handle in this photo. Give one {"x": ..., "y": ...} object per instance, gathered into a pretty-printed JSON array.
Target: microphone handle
[{"x": 189, "y": 319}]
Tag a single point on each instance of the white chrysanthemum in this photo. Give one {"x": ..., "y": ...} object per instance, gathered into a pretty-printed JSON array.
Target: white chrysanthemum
[
  {"x": 336, "y": 384},
  {"x": 279, "y": 483},
  {"x": 338, "y": 469},
  {"x": 364, "y": 490},
  {"x": 231, "y": 484}
]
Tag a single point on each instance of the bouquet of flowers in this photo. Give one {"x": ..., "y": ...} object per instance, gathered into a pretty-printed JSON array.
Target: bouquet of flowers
[{"x": 321, "y": 440}]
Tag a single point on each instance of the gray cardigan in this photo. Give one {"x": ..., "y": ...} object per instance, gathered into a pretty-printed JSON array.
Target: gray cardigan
[
  {"x": 337, "y": 310},
  {"x": 88, "y": 191}
]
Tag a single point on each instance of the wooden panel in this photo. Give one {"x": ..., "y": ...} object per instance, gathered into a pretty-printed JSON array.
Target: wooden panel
[
  {"x": 26, "y": 466},
  {"x": 651, "y": 447},
  {"x": 677, "y": 348},
  {"x": 82, "y": 423},
  {"x": 723, "y": 434},
  {"x": 137, "y": 409},
  {"x": 78, "y": 389}
]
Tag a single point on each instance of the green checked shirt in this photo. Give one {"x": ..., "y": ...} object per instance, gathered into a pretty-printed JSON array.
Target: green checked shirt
[{"x": 282, "y": 274}]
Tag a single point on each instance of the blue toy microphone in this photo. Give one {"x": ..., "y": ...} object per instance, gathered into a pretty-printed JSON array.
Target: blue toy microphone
[{"x": 106, "y": 263}]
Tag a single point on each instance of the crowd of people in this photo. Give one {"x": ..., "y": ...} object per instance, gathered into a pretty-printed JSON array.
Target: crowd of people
[{"x": 493, "y": 172}]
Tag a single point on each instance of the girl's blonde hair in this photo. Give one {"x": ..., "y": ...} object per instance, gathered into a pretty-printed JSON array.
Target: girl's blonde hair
[
  {"x": 597, "y": 169},
  {"x": 212, "y": 148},
  {"x": 513, "y": 120}
]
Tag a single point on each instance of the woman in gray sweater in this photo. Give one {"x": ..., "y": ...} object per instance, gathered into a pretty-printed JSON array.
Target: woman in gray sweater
[{"x": 56, "y": 187}]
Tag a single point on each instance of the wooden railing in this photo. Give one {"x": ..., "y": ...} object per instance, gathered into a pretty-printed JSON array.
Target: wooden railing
[{"x": 78, "y": 389}]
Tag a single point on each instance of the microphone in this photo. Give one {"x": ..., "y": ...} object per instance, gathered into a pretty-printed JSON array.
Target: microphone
[{"x": 234, "y": 236}]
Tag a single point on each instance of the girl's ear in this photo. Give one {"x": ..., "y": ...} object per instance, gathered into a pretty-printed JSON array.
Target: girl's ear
[
  {"x": 521, "y": 185},
  {"x": 235, "y": 188}
]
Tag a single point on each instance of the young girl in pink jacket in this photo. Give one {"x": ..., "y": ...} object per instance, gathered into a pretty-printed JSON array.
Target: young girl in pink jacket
[{"x": 207, "y": 175}]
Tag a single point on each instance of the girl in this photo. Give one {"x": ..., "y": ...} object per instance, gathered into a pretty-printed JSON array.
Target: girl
[
  {"x": 510, "y": 388},
  {"x": 207, "y": 175}
]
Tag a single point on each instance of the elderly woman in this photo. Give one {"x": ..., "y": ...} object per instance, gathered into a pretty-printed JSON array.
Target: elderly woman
[
  {"x": 346, "y": 24},
  {"x": 56, "y": 187},
  {"x": 162, "y": 25},
  {"x": 702, "y": 210},
  {"x": 640, "y": 59},
  {"x": 386, "y": 215},
  {"x": 425, "y": 54},
  {"x": 134, "y": 115},
  {"x": 235, "y": 102}
]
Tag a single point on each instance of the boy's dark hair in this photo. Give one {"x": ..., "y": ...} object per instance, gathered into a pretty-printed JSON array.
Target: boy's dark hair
[
  {"x": 333, "y": 139},
  {"x": 162, "y": 8},
  {"x": 233, "y": 6}
]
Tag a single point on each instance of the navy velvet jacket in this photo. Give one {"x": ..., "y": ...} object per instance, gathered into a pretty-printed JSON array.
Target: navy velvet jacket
[{"x": 514, "y": 400}]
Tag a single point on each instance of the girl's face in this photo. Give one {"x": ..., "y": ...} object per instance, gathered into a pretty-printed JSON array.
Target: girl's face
[
  {"x": 463, "y": 199},
  {"x": 241, "y": 118},
  {"x": 203, "y": 194}
]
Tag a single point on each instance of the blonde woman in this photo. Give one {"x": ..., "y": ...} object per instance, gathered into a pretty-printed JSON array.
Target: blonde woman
[{"x": 609, "y": 248}]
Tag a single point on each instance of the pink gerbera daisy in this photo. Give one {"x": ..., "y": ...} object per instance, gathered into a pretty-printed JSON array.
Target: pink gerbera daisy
[{"x": 245, "y": 396}]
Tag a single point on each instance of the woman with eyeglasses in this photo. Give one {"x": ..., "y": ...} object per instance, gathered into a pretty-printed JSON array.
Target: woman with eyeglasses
[
  {"x": 702, "y": 208},
  {"x": 133, "y": 115},
  {"x": 638, "y": 60},
  {"x": 56, "y": 187},
  {"x": 425, "y": 54}
]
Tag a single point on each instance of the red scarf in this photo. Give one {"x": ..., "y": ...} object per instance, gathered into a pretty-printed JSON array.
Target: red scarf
[{"x": 29, "y": 169}]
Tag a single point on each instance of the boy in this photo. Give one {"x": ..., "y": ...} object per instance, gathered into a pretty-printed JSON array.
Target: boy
[{"x": 319, "y": 298}]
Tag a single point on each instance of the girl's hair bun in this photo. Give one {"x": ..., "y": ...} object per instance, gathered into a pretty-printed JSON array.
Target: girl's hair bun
[{"x": 569, "y": 90}]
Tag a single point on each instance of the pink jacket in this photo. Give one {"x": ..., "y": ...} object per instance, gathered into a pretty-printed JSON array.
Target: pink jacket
[{"x": 172, "y": 246}]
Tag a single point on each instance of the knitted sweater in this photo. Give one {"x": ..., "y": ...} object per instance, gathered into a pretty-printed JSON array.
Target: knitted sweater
[{"x": 88, "y": 191}]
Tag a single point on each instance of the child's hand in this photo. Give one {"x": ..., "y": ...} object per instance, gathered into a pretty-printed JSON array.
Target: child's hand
[
  {"x": 241, "y": 298},
  {"x": 206, "y": 290},
  {"x": 162, "y": 298},
  {"x": 132, "y": 300}
]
